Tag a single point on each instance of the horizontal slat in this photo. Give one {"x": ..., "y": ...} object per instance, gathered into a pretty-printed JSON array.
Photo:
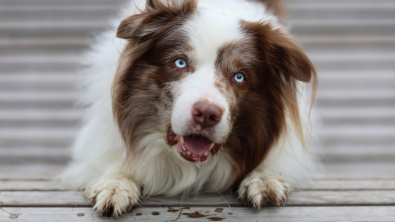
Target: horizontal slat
[
  {"x": 355, "y": 174},
  {"x": 39, "y": 118},
  {"x": 341, "y": 11},
  {"x": 334, "y": 4},
  {"x": 37, "y": 137},
  {"x": 26, "y": 171},
  {"x": 18, "y": 185},
  {"x": 46, "y": 58},
  {"x": 39, "y": 43},
  {"x": 365, "y": 169},
  {"x": 350, "y": 185},
  {"x": 361, "y": 153},
  {"x": 296, "y": 214},
  {"x": 356, "y": 94},
  {"x": 21, "y": 97},
  {"x": 345, "y": 40},
  {"x": 23, "y": 3},
  {"x": 346, "y": 29},
  {"x": 349, "y": 113},
  {"x": 336, "y": 171},
  {"x": 317, "y": 184},
  {"x": 356, "y": 116},
  {"x": 311, "y": 198},
  {"x": 35, "y": 152},
  {"x": 47, "y": 115},
  {"x": 349, "y": 131}
]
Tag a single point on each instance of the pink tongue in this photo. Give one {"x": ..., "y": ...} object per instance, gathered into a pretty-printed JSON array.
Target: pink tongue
[{"x": 197, "y": 145}]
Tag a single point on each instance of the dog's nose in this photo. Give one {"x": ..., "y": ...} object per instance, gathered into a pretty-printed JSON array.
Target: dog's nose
[{"x": 206, "y": 115}]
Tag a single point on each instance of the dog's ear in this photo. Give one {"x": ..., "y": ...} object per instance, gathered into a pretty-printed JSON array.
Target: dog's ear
[
  {"x": 281, "y": 52},
  {"x": 158, "y": 16},
  {"x": 289, "y": 58},
  {"x": 286, "y": 60}
]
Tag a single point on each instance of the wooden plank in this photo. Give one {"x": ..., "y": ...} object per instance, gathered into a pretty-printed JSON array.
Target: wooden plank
[
  {"x": 36, "y": 152},
  {"x": 39, "y": 114},
  {"x": 298, "y": 198},
  {"x": 371, "y": 170},
  {"x": 335, "y": 171},
  {"x": 352, "y": 112},
  {"x": 355, "y": 175},
  {"x": 22, "y": 97},
  {"x": 349, "y": 152},
  {"x": 355, "y": 154},
  {"x": 318, "y": 184},
  {"x": 60, "y": 57},
  {"x": 37, "y": 136},
  {"x": 39, "y": 78},
  {"x": 350, "y": 40},
  {"x": 40, "y": 118},
  {"x": 295, "y": 214},
  {"x": 58, "y": 43},
  {"x": 32, "y": 185},
  {"x": 349, "y": 185},
  {"x": 32, "y": 171}
]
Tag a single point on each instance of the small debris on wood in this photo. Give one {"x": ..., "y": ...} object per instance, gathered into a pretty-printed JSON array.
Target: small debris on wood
[
  {"x": 172, "y": 210},
  {"x": 14, "y": 216},
  {"x": 216, "y": 218},
  {"x": 219, "y": 210},
  {"x": 194, "y": 215}
]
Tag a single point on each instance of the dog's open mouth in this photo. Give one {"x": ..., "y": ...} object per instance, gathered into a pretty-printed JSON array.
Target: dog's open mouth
[{"x": 194, "y": 147}]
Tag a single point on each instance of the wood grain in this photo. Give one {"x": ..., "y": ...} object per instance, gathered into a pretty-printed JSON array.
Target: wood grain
[
  {"x": 294, "y": 214},
  {"x": 318, "y": 184},
  {"x": 299, "y": 198}
]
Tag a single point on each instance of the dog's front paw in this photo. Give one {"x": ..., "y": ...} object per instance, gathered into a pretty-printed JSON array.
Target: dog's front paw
[
  {"x": 258, "y": 190},
  {"x": 113, "y": 197}
]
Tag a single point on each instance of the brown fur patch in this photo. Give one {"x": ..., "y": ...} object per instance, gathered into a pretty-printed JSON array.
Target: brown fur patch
[
  {"x": 272, "y": 65},
  {"x": 146, "y": 67}
]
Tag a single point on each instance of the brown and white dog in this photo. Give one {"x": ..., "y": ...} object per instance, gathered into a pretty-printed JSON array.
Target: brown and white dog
[{"x": 194, "y": 96}]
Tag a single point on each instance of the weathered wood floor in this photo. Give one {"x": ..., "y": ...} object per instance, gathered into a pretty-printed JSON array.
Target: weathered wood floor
[{"x": 352, "y": 43}]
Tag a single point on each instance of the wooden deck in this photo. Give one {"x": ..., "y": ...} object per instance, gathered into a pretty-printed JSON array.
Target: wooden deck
[{"x": 351, "y": 42}]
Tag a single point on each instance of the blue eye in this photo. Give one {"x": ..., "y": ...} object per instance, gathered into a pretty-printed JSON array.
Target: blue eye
[
  {"x": 239, "y": 78},
  {"x": 180, "y": 63}
]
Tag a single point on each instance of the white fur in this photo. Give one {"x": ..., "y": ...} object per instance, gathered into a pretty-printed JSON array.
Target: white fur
[
  {"x": 205, "y": 37},
  {"x": 99, "y": 151}
]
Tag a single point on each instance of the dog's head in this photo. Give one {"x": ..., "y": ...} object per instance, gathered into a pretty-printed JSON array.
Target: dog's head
[{"x": 207, "y": 81}]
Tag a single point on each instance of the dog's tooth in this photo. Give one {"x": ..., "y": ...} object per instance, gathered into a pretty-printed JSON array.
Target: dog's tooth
[
  {"x": 188, "y": 153},
  {"x": 182, "y": 139},
  {"x": 206, "y": 153},
  {"x": 183, "y": 147},
  {"x": 193, "y": 155},
  {"x": 212, "y": 145}
]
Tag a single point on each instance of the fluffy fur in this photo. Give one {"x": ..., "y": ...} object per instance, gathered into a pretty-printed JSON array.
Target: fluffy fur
[{"x": 136, "y": 98}]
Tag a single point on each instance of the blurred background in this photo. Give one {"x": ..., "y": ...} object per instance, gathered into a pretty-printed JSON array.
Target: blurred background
[{"x": 351, "y": 42}]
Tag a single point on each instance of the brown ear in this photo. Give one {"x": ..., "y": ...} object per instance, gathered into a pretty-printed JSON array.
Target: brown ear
[
  {"x": 290, "y": 59},
  {"x": 281, "y": 52},
  {"x": 157, "y": 17},
  {"x": 282, "y": 56}
]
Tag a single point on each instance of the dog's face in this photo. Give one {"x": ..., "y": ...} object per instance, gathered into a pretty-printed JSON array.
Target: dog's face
[{"x": 206, "y": 81}]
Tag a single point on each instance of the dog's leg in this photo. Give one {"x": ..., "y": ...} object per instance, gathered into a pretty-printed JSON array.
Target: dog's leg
[
  {"x": 261, "y": 187},
  {"x": 114, "y": 194}
]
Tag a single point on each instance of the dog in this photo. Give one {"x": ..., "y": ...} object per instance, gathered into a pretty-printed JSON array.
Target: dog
[{"x": 187, "y": 96}]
